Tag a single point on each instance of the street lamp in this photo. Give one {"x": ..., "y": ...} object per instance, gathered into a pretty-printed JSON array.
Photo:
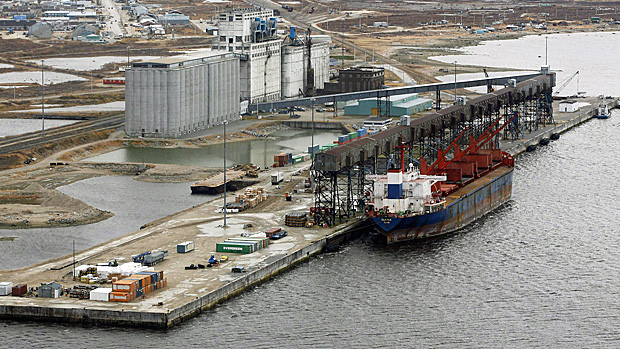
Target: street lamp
[
  {"x": 128, "y": 47},
  {"x": 225, "y": 192},
  {"x": 312, "y": 145},
  {"x": 42, "y": 101}
]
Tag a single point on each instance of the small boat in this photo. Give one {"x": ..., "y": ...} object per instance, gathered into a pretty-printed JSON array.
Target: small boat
[{"x": 602, "y": 112}]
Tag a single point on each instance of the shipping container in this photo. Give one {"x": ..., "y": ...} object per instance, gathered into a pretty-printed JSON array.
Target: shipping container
[
  {"x": 233, "y": 248},
  {"x": 343, "y": 138},
  {"x": 272, "y": 231},
  {"x": 352, "y": 135},
  {"x": 313, "y": 149},
  {"x": 19, "y": 290},
  {"x": 260, "y": 241},
  {"x": 100, "y": 294},
  {"x": 124, "y": 285},
  {"x": 6, "y": 288},
  {"x": 122, "y": 296},
  {"x": 185, "y": 247},
  {"x": 362, "y": 132},
  {"x": 254, "y": 244}
]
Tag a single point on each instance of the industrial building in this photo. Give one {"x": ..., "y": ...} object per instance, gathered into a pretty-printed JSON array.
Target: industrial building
[
  {"x": 391, "y": 106},
  {"x": 305, "y": 64},
  {"x": 172, "y": 96},
  {"x": 272, "y": 69},
  {"x": 251, "y": 34},
  {"x": 356, "y": 79}
]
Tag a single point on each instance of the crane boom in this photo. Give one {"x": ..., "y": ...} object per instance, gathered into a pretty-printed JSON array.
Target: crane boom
[{"x": 559, "y": 89}]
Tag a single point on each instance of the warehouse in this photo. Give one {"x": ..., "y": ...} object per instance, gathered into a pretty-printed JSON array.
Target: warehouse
[
  {"x": 394, "y": 106},
  {"x": 173, "y": 96}
]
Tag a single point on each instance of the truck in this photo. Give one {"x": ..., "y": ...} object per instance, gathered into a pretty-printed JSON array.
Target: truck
[
  {"x": 277, "y": 178},
  {"x": 154, "y": 258}
]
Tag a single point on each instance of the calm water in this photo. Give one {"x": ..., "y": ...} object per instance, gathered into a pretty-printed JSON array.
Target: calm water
[
  {"x": 259, "y": 152},
  {"x": 592, "y": 54},
  {"x": 118, "y": 194},
  {"x": 542, "y": 271}
]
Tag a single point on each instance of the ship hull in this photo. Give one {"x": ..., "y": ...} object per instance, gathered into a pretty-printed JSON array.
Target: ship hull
[{"x": 462, "y": 208}]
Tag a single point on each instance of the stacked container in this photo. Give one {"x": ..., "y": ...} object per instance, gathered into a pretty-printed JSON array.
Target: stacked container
[
  {"x": 352, "y": 135},
  {"x": 362, "y": 132},
  {"x": 282, "y": 159},
  {"x": 137, "y": 285}
]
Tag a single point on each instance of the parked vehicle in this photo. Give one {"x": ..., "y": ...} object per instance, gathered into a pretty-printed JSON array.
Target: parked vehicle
[
  {"x": 279, "y": 235},
  {"x": 238, "y": 269}
]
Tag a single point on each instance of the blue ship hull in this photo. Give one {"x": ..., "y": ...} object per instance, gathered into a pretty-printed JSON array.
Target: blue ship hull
[{"x": 462, "y": 208}]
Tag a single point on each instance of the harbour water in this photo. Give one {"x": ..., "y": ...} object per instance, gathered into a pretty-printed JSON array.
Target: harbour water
[
  {"x": 258, "y": 152},
  {"x": 541, "y": 271},
  {"x": 12, "y": 127}
]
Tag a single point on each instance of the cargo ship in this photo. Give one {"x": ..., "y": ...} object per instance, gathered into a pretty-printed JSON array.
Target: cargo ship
[{"x": 415, "y": 203}]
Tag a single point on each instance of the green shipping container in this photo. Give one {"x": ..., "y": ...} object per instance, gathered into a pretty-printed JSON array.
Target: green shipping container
[
  {"x": 259, "y": 243},
  {"x": 233, "y": 247},
  {"x": 352, "y": 135}
]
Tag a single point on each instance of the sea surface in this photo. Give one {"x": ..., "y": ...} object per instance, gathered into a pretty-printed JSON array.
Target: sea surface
[
  {"x": 542, "y": 271},
  {"x": 594, "y": 55}
]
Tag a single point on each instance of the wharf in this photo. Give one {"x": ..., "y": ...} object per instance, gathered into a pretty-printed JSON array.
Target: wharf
[
  {"x": 563, "y": 122},
  {"x": 190, "y": 292}
]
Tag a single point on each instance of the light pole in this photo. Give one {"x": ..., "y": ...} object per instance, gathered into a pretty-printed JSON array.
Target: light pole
[
  {"x": 454, "y": 82},
  {"x": 225, "y": 191},
  {"x": 42, "y": 101},
  {"x": 312, "y": 145},
  {"x": 342, "y": 63},
  {"x": 128, "y": 47}
]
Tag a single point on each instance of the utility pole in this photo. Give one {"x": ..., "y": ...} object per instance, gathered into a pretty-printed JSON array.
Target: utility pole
[
  {"x": 546, "y": 49},
  {"x": 73, "y": 259},
  {"x": 454, "y": 82},
  {"x": 91, "y": 81},
  {"x": 42, "y": 101},
  {"x": 342, "y": 43},
  {"x": 127, "y": 58}
]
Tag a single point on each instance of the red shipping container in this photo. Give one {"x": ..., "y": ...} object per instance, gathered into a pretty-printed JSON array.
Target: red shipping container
[{"x": 19, "y": 290}]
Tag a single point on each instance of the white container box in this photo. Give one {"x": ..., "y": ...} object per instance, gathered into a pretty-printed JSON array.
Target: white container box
[
  {"x": 100, "y": 294},
  {"x": 6, "y": 288}
]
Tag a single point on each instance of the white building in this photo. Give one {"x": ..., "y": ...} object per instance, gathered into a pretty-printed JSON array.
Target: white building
[
  {"x": 172, "y": 96},
  {"x": 569, "y": 106},
  {"x": 251, "y": 34}
]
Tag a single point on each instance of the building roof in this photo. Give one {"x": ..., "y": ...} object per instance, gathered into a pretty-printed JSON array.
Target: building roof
[
  {"x": 185, "y": 60},
  {"x": 411, "y": 103},
  {"x": 376, "y": 118}
]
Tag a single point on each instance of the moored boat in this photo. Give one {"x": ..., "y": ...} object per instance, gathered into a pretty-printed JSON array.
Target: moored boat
[
  {"x": 431, "y": 200},
  {"x": 602, "y": 112}
]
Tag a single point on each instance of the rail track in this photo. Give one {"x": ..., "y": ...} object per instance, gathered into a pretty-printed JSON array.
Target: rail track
[{"x": 12, "y": 144}]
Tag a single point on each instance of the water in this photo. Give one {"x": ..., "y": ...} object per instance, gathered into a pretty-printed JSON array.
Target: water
[
  {"x": 259, "y": 152},
  {"x": 118, "y": 194},
  {"x": 11, "y": 127},
  {"x": 88, "y": 63},
  {"x": 589, "y": 53},
  {"x": 541, "y": 271}
]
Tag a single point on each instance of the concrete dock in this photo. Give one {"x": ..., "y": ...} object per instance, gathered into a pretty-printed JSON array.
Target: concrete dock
[{"x": 190, "y": 292}]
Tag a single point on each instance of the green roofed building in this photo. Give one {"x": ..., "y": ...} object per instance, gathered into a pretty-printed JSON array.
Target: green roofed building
[{"x": 397, "y": 106}]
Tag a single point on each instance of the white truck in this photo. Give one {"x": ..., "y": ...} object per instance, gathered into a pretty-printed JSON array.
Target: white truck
[{"x": 277, "y": 178}]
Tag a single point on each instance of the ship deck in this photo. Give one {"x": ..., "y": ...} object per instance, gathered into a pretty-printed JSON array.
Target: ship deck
[{"x": 478, "y": 183}]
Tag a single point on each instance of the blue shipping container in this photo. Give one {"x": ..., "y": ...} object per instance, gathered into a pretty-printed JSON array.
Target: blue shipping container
[
  {"x": 395, "y": 191},
  {"x": 362, "y": 132},
  {"x": 343, "y": 138},
  {"x": 19, "y": 17}
]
